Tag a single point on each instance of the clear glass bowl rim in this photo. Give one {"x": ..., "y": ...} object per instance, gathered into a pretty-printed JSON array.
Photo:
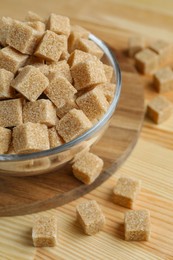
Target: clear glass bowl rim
[{"x": 112, "y": 59}]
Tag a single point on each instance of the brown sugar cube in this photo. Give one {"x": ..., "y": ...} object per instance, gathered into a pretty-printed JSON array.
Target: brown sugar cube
[
  {"x": 90, "y": 47},
  {"x": 30, "y": 137},
  {"x": 137, "y": 225},
  {"x": 147, "y": 61},
  {"x": 163, "y": 80},
  {"x": 54, "y": 138},
  {"x": 41, "y": 111},
  {"x": 5, "y": 140},
  {"x": 164, "y": 50},
  {"x": 159, "y": 109},
  {"x": 126, "y": 191},
  {"x": 5, "y": 23},
  {"x": 77, "y": 32},
  {"x": 30, "y": 82},
  {"x": 60, "y": 90},
  {"x": 108, "y": 90},
  {"x": 44, "y": 231},
  {"x": 23, "y": 38},
  {"x": 87, "y": 74},
  {"x": 11, "y": 59},
  {"x": 87, "y": 168},
  {"x": 6, "y": 91},
  {"x": 73, "y": 124},
  {"x": 93, "y": 103},
  {"x": 51, "y": 46},
  {"x": 37, "y": 25},
  {"x": 33, "y": 17},
  {"x": 108, "y": 72},
  {"x": 66, "y": 107},
  {"x": 60, "y": 68},
  {"x": 90, "y": 217},
  {"x": 43, "y": 68},
  {"x": 10, "y": 112},
  {"x": 59, "y": 24},
  {"x": 64, "y": 56},
  {"x": 78, "y": 56},
  {"x": 135, "y": 44}
]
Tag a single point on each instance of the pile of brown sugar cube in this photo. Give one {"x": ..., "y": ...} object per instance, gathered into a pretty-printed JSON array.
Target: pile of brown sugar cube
[{"x": 54, "y": 86}]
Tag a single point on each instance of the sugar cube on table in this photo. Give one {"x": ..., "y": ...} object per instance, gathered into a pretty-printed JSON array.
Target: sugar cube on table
[
  {"x": 147, "y": 61},
  {"x": 5, "y": 23},
  {"x": 78, "y": 56},
  {"x": 90, "y": 217},
  {"x": 159, "y": 109},
  {"x": 30, "y": 82},
  {"x": 44, "y": 231},
  {"x": 90, "y": 47},
  {"x": 76, "y": 33},
  {"x": 32, "y": 17},
  {"x": 108, "y": 72},
  {"x": 87, "y": 167},
  {"x": 5, "y": 139},
  {"x": 59, "y": 24},
  {"x": 54, "y": 138},
  {"x": 30, "y": 137},
  {"x": 126, "y": 191},
  {"x": 12, "y": 60},
  {"x": 6, "y": 91},
  {"x": 163, "y": 80},
  {"x": 11, "y": 112},
  {"x": 40, "y": 111},
  {"x": 137, "y": 225},
  {"x": 73, "y": 124},
  {"x": 135, "y": 44}
]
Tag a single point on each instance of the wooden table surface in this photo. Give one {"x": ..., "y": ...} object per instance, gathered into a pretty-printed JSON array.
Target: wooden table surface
[{"x": 151, "y": 160}]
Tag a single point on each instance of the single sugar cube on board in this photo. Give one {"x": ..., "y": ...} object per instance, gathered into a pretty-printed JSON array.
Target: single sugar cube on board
[
  {"x": 54, "y": 138},
  {"x": 163, "y": 80},
  {"x": 41, "y": 111},
  {"x": 87, "y": 74},
  {"x": 30, "y": 137},
  {"x": 6, "y": 91},
  {"x": 90, "y": 47},
  {"x": 108, "y": 90},
  {"x": 5, "y": 140},
  {"x": 137, "y": 225},
  {"x": 32, "y": 17},
  {"x": 147, "y": 61},
  {"x": 135, "y": 44},
  {"x": 90, "y": 217},
  {"x": 51, "y": 46},
  {"x": 65, "y": 107},
  {"x": 11, "y": 112},
  {"x": 73, "y": 124},
  {"x": 59, "y": 24},
  {"x": 87, "y": 168},
  {"x": 108, "y": 72},
  {"x": 38, "y": 26},
  {"x": 126, "y": 191},
  {"x": 11, "y": 59},
  {"x": 93, "y": 103},
  {"x": 30, "y": 82},
  {"x": 23, "y": 37},
  {"x": 44, "y": 231},
  {"x": 5, "y": 23},
  {"x": 76, "y": 33},
  {"x": 78, "y": 56},
  {"x": 159, "y": 109},
  {"x": 60, "y": 68}
]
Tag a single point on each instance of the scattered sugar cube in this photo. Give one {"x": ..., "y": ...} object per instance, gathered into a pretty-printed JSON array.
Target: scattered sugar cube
[
  {"x": 5, "y": 140},
  {"x": 159, "y": 109},
  {"x": 163, "y": 80},
  {"x": 11, "y": 59},
  {"x": 41, "y": 111},
  {"x": 137, "y": 225},
  {"x": 126, "y": 191},
  {"x": 5, "y": 23},
  {"x": 60, "y": 90},
  {"x": 30, "y": 82},
  {"x": 6, "y": 91},
  {"x": 90, "y": 217},
  {"x": 66, "y": 107},
  {"x": 90, "y": 47},
  {"x": 147, "y": 61},
  {"x": 37, "y": 25},
  {"x": 60, "y": 68},
  {"x": 87, "y": 74},
  {"x": 108, "y": 72},
  {"x": 51, "y": 46},
  {"x": 32, "y": 17},
  {"x": 11, "y": 112},
  {"x": 54, "y": 138},
  {"x": 78, "y": 56},
  {"x": 23, "y": 38},
  {"x": 164, "y": 50},
  {"x": 135, "y": 44},
  {"x": 93, "y": 103},
  {"x": 44, "y": 231},
  {"x": 77, "y": 32},
  {"x": 73, "y": 124},
  {"x": 59, "y": 24},
  {"x": 30, "y": 137},
  {"x": 87, "y": 168},
  {"x": 108, "y": 90}
]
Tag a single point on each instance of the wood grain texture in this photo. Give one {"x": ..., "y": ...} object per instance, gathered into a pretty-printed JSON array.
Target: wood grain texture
[{"x": 151, "y": 160}]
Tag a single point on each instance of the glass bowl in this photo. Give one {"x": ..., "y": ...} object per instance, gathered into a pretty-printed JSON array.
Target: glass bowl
[{"x": 49, "y": 160}]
